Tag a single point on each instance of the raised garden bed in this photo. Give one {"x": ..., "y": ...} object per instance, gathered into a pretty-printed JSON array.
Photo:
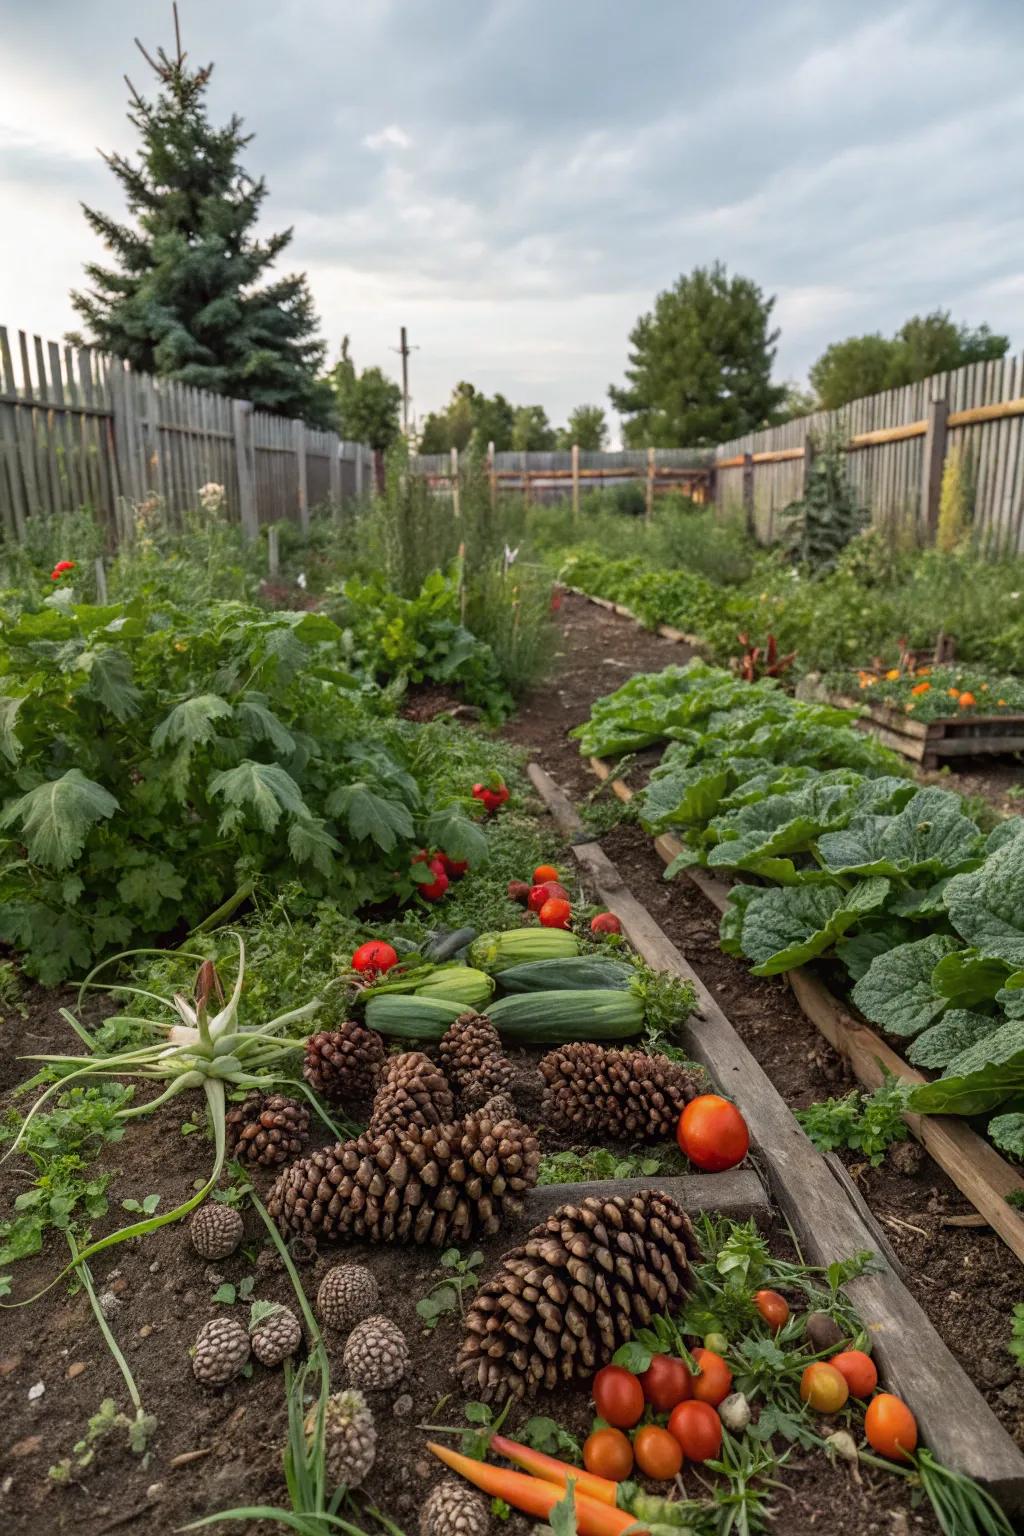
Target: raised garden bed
[{"x": 933, "y": 743}]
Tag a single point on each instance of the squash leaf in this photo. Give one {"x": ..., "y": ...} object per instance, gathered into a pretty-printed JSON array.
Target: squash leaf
[
  {"x": 941, "y": 1043},
  {"x": 987, "y": 905},
  {"x": 897, "y": 990},
  {"x": 930, "y": 836},
  {"x": 786, "y": 927},
  {"x": 56, "y": 816}
]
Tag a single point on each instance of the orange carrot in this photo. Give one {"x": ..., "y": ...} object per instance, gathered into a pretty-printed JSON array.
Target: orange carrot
[
  {"x": 553, "y": 1471},
  {"x": 535, "y": 1497}
]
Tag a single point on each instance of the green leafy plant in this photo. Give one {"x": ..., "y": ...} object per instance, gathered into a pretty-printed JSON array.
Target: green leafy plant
[
  {"x": 459, "y": 1278},
  {"x": 586, "y": 1164},
  {"x": 821, "y": 524},
  {"x": 868, "y": 1124}
]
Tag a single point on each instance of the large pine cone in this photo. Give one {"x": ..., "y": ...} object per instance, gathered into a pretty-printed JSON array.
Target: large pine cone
[
  {"x": 452, "y": 1509},
  {"x": 411, "y": 1091},
  {"x": 350, "y": 1438},
  {"x": 619, "y": 1095},
  {"x": 343, "y": 1064},
  {"x": 442, "y": 1184},
  {"x": 583, "y": 1281},
  {"x": 473, "y": 1060},
  {"x": 267, "y": 1128}
]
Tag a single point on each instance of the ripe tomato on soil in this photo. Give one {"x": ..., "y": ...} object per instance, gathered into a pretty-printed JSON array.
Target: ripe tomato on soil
[
  {"x": 824, "y": 1388},
  {"x": 618, "y": 1396},
  {"x": 666, "y": 1382},
  {"x": 374, "y": 958},
  {"x": 607, "y": 1453},
  {"x": 605, "y": 922},
  {"x": 773, "y": 1308},
  {"x": 544, "y": 872},
  {"x": 712, "y": 1133},
  {"x": 432, "y": 890},
  {"x": 658, "y": 1453},
  {"x": 543, "y": 892},
  {"x": 698, "y": 1429},
  {"x": 890, "y": 1427},
  {"x": 555, "y": 913},
  {"x": 858, "y": 1369},
  {"x": 714, "y": 1381}
]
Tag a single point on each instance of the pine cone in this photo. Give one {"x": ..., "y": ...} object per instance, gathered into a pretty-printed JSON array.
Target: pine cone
[
  {"x": 500, "y": 1106},
  {"x": 452, "y": 1509},
  {"x": 267, "y": 1128},
  {"x": 411, "y": 1091},
  {"x": 625, "y": 1095},
  {"x": 275, "y": 1334},
  {"x": 342, "y": 1064},
  {"x": 376, "y": 1354},
  {"x": 583, "y": 1281},
  {"x": 473, "y": 1060},
  {"x": 350, "y": 1438},
  {"x": 347, "y": 1294},
  {"x": 445, "y": 1184},
  {"x": 221, "y": 1350},
  {"x": 216, "y": 1230}
]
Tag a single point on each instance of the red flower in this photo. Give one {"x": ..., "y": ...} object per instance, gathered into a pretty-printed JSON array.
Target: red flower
[{"x": 60, "y": 568}]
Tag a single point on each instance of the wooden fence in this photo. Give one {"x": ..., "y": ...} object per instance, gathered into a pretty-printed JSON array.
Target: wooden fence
[
  {"x": 897, "y": 445},
  {"x": 549, "y": 476},
  {"x": 79, "y": 429}
]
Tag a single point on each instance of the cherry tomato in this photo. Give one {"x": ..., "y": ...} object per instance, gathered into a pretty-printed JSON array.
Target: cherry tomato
[
  {"x": 658, "y": 1454},
  {"x": 454, "y": 868},
  {"x": 607, "y": 1453},
  {"x": 714, "y": 1383},
  {"x": 890, "y": 1427},
  {"x": 432, "y": 890},
  {"x": 544, "y": 872},
  {"x": 374, "y": 958},
  {"x": 698, "y": 1429},
  {"x": 555, "y": 913},
  {"x": 716, "y": 1342},
  {"x": 539, "y": 894},
  {"x": 773, "y": 1308},
  {"x": 490, "y": 798},
  {"x": 824, "y": 1388},
  {"x": 605, "y": 922},
  {"x": 712, "y": 1133},
  {"x": 618, "y": 1396},
  {"x": 666, "y": 1382},
  {"x": 859, "y": 1371}
]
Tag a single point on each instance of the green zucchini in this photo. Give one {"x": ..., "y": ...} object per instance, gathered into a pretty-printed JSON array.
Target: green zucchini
[
  {"x": 572, "y": 974},
  {"x": 495, "y": 952},
  {"x": 400, "y": 1016},
  {"x": 551, "y": 1018}
]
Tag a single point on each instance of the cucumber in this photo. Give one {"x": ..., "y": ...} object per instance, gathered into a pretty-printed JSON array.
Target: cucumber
[
  {"x": 551, "y": 1018},
  {"x": 572, "y": 974}
]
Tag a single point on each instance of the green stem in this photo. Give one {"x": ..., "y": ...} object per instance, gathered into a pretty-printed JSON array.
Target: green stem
[
  {"x": 112, "y": 1344},
  {"x": 226, "y": 908},
  {"x": 180, "y": 1084}
]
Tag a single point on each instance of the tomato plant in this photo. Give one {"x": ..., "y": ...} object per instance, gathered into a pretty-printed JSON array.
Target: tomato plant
[
  {"x": 555, "y": 913},
  {"x": 858, "y": 1369},
  {"x": 714, "y": 1382},
  {"x": 608, "y": 1453},
  {"x": 374, "y": 958},
  {"x": 658, "y": 1453},
  {"x": 824, "y": 1388},
  {"x": 890, "y": 1427},
  {"x": 698, "y": 1429},
  {"x": 666, "y": 1382},
  {"x": 712, "y": 1133},
  {"x": 618, "y": 1396},
  {"x": 491, "y": 796},
  {"x": 773, "y": 1308},
  {"x": 432, "y": 890}
]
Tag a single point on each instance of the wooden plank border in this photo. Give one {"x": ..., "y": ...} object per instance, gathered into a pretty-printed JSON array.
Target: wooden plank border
[{"x": 955, "y": 1419}]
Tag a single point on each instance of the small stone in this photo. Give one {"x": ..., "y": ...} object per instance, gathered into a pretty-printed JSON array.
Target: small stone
[
  {"x": 110, "y": 1304},
  {"x": 36, "y": 1392},
  {"x": 75, "y": 1370},
  {"x": 119, "y": 1286},
  {"x": 155, "y": 1491},
  {"x": 423, "y": 1469},
  {"x": 28, "y": 1446},
  {"x": 212, "y": 1275},
  {"x": 154, "y": 1268},
  {"x": 9, "y": 1363},
  {"x": 146, "y": 1330},
  {"x": 402, "y": 1406}
]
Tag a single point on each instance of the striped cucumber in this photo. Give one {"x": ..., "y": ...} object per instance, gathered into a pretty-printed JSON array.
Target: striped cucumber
[
  {"x": 551, "y": 1018},
  {"x": 572, "y": 974}
]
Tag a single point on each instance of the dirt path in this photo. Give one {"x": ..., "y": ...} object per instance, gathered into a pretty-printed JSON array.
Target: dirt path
[{"x": 965, "y": 1278}]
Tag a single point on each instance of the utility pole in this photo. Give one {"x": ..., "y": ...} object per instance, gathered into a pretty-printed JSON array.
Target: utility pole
[{"x": 404, "y": 351}]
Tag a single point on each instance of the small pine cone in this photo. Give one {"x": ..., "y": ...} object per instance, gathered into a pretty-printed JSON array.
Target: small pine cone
[
  {"x": 350, "y": 1439},
  {"x": 376, "y": 1354},
  {"x": 500, "y": 1106},
  {"x": 625, "y": 1095},
  {"x": 221, "y": 1350},
  {"x": 411, "y": 1091},
  {"x": 267, "y": 1128},
  {"x": 216, "y": 1230},
  {"x": 473, "y": 1060},
  {"x": 452, "y": 1509},
  {"x": 347, "y": 1294},
  {"x": 343, "y": 1064},
  {"x": 274, "y": 1335}
]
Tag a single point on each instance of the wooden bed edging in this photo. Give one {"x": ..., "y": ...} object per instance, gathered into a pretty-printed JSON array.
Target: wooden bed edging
[
  {"x": 665, "y": 630},
  {"x": 973, "y": 1164},
  {"x": 955, "y": 1419}
]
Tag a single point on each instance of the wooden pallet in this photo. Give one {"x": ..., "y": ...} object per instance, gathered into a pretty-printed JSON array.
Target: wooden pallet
[
  {"x": 829, "y": 1220},
  {"x": 934, "y": 742}
]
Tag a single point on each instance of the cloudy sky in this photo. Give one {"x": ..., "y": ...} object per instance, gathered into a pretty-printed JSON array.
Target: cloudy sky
[{"x": 514, "y": 180}]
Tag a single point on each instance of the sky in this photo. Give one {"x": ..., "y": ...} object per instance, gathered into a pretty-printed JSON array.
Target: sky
[{"x": 515, "y": 180}]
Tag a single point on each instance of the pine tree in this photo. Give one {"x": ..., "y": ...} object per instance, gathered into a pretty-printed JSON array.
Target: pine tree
[{"x": 182, "y": 300}]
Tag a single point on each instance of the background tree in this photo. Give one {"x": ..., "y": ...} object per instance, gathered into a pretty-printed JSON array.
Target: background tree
[
  {"x": 470, "y": 419},
  {"x": 184, "y": 298},
  {"x": 700, "y": 364},
  {"x": 531, "y": 430},
  {"x": 849, "y": 369},
  {"x": 923, "y": 345},
  {"x": 587, "y": 428},
  {"x": 368, "y": 404}
]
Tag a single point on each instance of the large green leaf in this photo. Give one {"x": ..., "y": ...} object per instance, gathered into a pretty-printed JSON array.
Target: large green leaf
[
  {"x": 191, "y": 723},
  {"x": 369, "y": 815},
  {"x": 930, "y": 836},
  {"x": 111, "y": 681},
  {"x": 897, "y": 990},
  {"x": 967, "y": 978},
  {"x": 10, "y": 746},
  {"x": 781, "y": 824},
  {"x": 786, "y": 927},
  {"x": 452, "y": 831},
  {"x": 980, "y": 1078},
  {"x": 1007, "y": 1133},
  {"x": 56, "y": 816},
  {"x": 309, "y": 842},
  {"x": 987, "y": 905},
  {"x": 262, "y": 724},
  {"x": 264, "y": 789},
  {"x": 941, "y": 1043},
  {"x": 689, "y": 796}
]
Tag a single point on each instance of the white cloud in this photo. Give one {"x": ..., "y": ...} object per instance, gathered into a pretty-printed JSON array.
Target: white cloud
[{"x": 391, "y": 137}]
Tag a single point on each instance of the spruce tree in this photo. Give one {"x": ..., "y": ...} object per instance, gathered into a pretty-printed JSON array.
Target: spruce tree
[{"x": 184, "y": 299}]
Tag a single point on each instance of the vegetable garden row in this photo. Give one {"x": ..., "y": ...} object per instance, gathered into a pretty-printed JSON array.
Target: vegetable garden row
[{"x": 279, "y": 1244}]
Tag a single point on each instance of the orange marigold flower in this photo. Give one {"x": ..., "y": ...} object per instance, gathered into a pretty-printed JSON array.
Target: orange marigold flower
[
  {"x": 892, "y": 674},
  {"x": 921, "y": 688},
  {"x": 984, "y": 687},
  {"x": 1001, "y": 703},
  {"x": 924, "y": 671},
  {"x": 967, "y": 700},
  {"x": 954, "y": 693}
]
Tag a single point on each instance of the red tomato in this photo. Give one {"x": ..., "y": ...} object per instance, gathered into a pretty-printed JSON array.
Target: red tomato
[
  {"x": 666, "y": 1382},
  {"x": 890, "y": 1427},
  {"x": 618, "y": 1396},
  {"x": 605, "y": 922},
  {"x": 712, "y": 1133},
  {"x": 824, "y": 1388},
  {"x": 714, "y": 1382},
  {"x": 543, "y": 873},
  {"x": 773, "y": 1308},
  {"x": 698, "y": 1429},
  {"x": 859, "y": 1371},
  {"x": 607, "y": 1453},
  {"x": 539, "y": 894},
  {"x": 432, "y": 890},
  {"x": 555, "y": 913},
  {"x": 454, "y": 868},
  {"x": 658, "y": 1454},
  {"x": 490, "y": 799},
  {"x": 374, "y": 958}
]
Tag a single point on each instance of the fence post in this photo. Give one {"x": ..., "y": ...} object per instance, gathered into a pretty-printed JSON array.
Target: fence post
[
  {"x": 524, "y": 468},
  {"x": 809, "y": 457},
  {"x": 748, "y": 493},
  {"x": 101, "y": 580},
  {"x": 273, "y": 557},
  {"x": 492, "y": 475},
  {"x": 456, "y": 487},
  {"x": 575, "y": 481},
  {"x": 301, "y": 483},
  {"x": 931, "y": 467},
  {"x": 359, "y": 470},
  {"x": 241, "y": 413},
  {"x": 649, "y": 499},
  {"x": 334, "y": 470}
]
